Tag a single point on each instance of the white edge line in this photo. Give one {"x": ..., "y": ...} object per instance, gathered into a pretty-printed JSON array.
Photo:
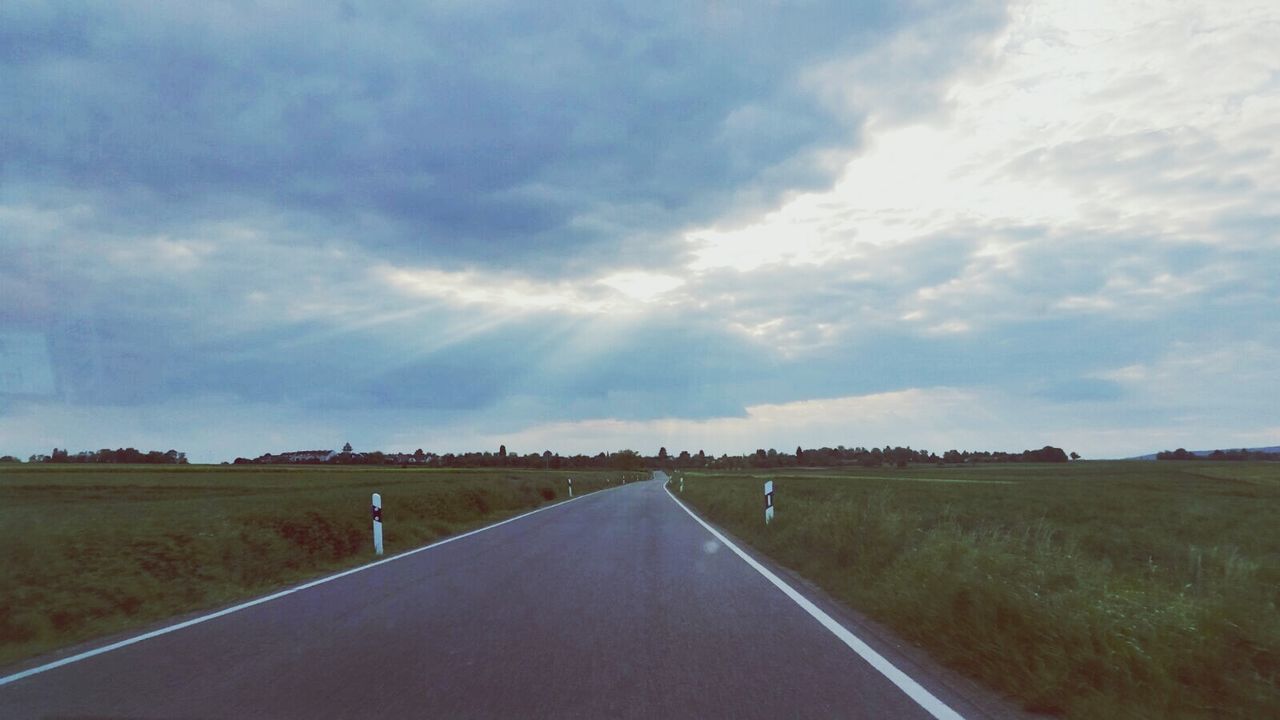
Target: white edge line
[
  {"x": 268, "y": 598},
  {"x": 913, "y": 689}
]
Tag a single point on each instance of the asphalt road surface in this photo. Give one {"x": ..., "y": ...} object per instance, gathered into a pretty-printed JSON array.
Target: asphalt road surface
[{"x": 616, "y": 605}]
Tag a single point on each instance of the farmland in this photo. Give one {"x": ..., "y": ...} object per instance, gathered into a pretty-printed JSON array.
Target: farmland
[
  {"x": 95, "y": 550},
  {"x": 1118, "y": 590}
]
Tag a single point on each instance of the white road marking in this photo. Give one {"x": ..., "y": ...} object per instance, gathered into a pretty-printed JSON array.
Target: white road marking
[
  {"x": 275, "y": 596},
  {"x": 913, "y": 689}
]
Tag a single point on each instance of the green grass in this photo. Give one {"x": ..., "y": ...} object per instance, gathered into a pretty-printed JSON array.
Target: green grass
[
  {"x": 94, "y": 550},
  {"x": 1092, "y": 590}
]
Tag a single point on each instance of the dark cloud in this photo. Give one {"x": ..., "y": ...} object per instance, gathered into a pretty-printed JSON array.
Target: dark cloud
[{"x": 498, "y": 132}]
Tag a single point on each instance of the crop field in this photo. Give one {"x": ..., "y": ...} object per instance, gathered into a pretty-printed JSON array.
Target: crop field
[
  {"x": 1088, "y": 590},
  {"x": 91, "y": 550}
]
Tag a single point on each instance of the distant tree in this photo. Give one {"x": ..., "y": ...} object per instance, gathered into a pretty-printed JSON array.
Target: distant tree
[
  {"x": 662, "y": 454},
  {"x": 502, "y": 451},
  {"x": 1075, "y": 455},
  {"x": 1053, "y": 454},
  {"x": 1046, "y": 454},
  {"x": 1179, "y": 454},
  {"x": 760, "y": 458},
  {"x": 9, "y": 459},
  {"x": 625, "y": 460}
]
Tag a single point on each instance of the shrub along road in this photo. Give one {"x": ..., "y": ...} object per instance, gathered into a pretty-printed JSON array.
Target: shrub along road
[{"x": 618, "y": 604}]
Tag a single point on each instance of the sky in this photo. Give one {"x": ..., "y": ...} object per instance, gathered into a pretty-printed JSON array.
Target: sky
[{"x": 232, "y": 228}]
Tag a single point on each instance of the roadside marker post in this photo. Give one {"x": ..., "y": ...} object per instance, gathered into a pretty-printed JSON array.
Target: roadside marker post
[
  {"x": 570, "y": 487},
  {"x": 377, "y": 524},
  {"x": 682, "y": 484},
  {"x": 768, "y": 502}
]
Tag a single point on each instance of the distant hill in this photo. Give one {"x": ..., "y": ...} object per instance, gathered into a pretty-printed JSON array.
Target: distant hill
[{"x": 1207, "y": 453}]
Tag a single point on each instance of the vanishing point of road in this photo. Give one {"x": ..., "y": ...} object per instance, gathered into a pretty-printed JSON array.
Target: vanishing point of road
[{"x": 619, "y": 604}]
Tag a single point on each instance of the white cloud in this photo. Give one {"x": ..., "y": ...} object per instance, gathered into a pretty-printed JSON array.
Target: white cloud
[
  {"x": 1207, "y": 378},
  {"x": 936, "y": 419},
  {"x": 1116, "y": 80},
  {"x": 1080, "y": 125},
  {"x": 943, "y": 418},
  {"x": 510, "y": 293},
  {"x": 641, "y": 286},
  {"x": 896, "y": 417},
  {"x": 472, "y": 288}
]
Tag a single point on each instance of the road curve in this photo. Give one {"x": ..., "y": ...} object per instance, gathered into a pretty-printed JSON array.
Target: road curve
[{"x": 616, "y": 605}]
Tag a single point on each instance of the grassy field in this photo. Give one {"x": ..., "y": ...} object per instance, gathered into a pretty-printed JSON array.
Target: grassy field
[
  {"x": 1089, "y": 590},
  {"x": 94, "y": 550}
]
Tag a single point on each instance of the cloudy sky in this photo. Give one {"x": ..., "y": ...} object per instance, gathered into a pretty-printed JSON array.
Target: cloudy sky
[{"x": 589, "y": 226}]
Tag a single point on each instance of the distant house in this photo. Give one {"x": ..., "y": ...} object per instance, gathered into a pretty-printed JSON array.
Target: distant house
[
  {"x": 343, "y": 457},
  {"x": 408, "y": 459},
  {"x": 305, "y": 456},
  {"x": 296, "y": 457}
]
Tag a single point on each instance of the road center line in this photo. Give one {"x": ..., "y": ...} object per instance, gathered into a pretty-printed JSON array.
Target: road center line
[
  {"x": 913, "y": 689},
  {"x": 268, "y": 598}
]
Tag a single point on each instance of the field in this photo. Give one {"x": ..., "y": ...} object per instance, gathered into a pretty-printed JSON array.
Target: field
[
  {"x": 91, "y": 550},
  {"x": 1089, "y": 590}
]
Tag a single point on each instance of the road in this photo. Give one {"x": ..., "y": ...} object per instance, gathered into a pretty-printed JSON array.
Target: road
[{"x": 616, "y": 605}]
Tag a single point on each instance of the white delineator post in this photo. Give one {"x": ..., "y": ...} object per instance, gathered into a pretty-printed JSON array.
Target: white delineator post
[
  {"x": 681, "y": 483},
  {"x": 377, "y": 524},
  {"x": 570, "y": 487},
  {"x": 768, "y": 501}
]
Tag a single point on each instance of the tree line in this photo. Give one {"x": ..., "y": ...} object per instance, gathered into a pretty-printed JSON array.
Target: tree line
[
  {"x": 1241, "y": 454},
  {"x": 620, "y": 460},
  {"x": 631, "y": 460},
  {"x": 106, "y": 455},
  {"x": 896, "y": 456},
  {"x": 684, "y": 460},
  {"x": 627, "y": 460}
]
